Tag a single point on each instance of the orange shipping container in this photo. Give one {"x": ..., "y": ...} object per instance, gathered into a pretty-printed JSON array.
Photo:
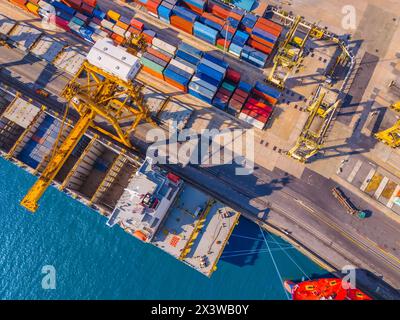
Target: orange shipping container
[
  {"x": 158, "y": 54},
  {"x": 270, "y": 23},
  {"x": 153, "y": 73},
  {"x": 261, "y": 40},
  {"x": 117, "y": 38},
  {"x": 218, "y": 11},
  {"x": 259, "y": 46},
  {"x": 268, "y": 29},
  {"x": 194, "y": 8},
  {"x": 20, "y": 3},
  {"x": 181, "y": 24},
  {"x": 176, "y": 84},
  {"x": 122, "y": 25},
  {"x": 213, "y": 18}
]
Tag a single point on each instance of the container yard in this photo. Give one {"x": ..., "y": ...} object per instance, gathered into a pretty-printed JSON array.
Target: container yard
[{"x": 118, "y": 69}]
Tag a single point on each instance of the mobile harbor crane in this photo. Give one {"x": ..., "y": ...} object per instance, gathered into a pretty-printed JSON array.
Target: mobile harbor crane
[
  {"x": 94, "y": 94},
  {"x": 391, "y": 136},
  {"x": 313, "y": 134}
]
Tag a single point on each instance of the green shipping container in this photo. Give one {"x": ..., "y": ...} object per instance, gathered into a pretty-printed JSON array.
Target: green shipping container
[
  {"x": 228, "y": 86},
  {"x": 150, "y": 64}
]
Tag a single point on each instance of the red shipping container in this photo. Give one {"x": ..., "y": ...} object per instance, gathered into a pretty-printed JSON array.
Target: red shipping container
[
  {"x": 238, "y": 98},
  {"x": 233, "y": 75},
  {"x": 91, "y": 3},
  {"x": 193, "y": 8},
  {"x": 153, "y": 73},
  {"x": 76, "y": 4},
  {"x": 225, "y": 91},
  {"x": 152, "y": 6},
  {"x": 158, "y": 54},
  {"x": 181, "y": 24},
  {"x": 235, "y": 16},
  {"x": 134, "y": 30},
  {"x": 96, "y": 21},
  {"x": 62, "y": 23},
  {"x": 261, "y": 40},
  {"x": 147, "y": 38},
  {"x": 267, "y": 29},
  {"x": 259, "y": 46},
  {"x": 260, "y": 111},
  {"x": 241, "y": 93},
  {"x": 255, "y": 115},
  {"x": 270, "y": 23},
  {"x": 260, "y": 104},
  {"x": 221, "y": 42},
  {"x": 109, "y": 32},
  {"x": 175, "y": 84},
  {"x": 137, "y": 24},
  {"x": 270, "y": 99},
  {"x": 222, "y": 96},
  {"x": 87, "y": 8},
  {"x": 218, "y": 11},
  {"x": 234, "y": 104},
  {"x": 213, "y": 18}
]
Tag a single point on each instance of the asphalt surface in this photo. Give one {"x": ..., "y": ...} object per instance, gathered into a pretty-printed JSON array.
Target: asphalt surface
[{"x": 306, "y": 201}]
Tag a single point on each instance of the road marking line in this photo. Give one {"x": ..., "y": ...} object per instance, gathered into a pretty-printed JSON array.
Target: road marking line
[
  {"x": 367, "y": 179},
  {"x": 381, "y": 186},
  {"x": 394, "y": 196},
  {"x": 355, "y": 170}
]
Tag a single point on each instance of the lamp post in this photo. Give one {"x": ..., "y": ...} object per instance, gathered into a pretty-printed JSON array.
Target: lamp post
[{"x": 226, "y": 24}]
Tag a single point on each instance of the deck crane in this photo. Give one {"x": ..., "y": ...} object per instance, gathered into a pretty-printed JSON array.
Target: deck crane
[
  {"x": 289, "y": 55},
  {"x": 313, "y": 134},
  {"x": 95, "y": 95}
]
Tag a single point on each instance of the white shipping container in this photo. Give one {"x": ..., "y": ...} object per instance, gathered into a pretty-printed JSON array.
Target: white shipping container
[
  {"x": 6, "y": 25},
  {"x": 107, "y": 24},
  {"x": 118, "y": 30},
  {"x": 94, "y": 26},
  {"x": 204, "y": 84},
  {"x": 164, "y": 46},
  {"x": 113, "y": 60},
  {"x": 251, "y": 120},
  {"x": 181, "y": 66}
]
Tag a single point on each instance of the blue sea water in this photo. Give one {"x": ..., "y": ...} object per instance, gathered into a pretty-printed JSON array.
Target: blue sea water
[{"x": 93, "y": 261}]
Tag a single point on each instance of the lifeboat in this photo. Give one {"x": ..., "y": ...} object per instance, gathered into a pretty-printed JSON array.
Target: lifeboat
[{"x": 323, "y": 289}]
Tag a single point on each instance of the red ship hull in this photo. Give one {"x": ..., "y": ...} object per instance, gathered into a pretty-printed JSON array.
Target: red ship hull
[{"x": 323, "y": 289}]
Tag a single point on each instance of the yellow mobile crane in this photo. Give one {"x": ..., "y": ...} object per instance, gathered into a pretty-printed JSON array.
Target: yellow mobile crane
[
  {"x": 94, "y": 94},
  {"x": 288, "y": 56},
  {"x": 312, "y": 136},
  {"x": 391, "y": 136},
  {"x": 326, "y": 106}
]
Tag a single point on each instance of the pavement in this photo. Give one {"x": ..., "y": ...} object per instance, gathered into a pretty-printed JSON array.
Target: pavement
[{"x": 300, "y": 203}]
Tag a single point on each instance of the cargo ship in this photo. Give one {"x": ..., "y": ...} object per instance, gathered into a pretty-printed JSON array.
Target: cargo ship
[{"x": 323, "y": 289}]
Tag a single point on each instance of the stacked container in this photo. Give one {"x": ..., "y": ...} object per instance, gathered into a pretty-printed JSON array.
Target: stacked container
[
  {"x": 265, "y": 35},
  {"x": 165, "y": 11},
  {"x": 227, "y": 88},
  {"x": 238, "y": 42},
  {"x": 152, "y": 7},
  {"x": 238, "y": 99},
  {"x": 154, "y": 62},
  {"x": 183, "y": 19},
  {"x": 210, "y": 74},
  {"x": 198, "y": 6},
  {"x": 254, "y": 56},
  {"x": 248, "y": 22},
  {"x": 212, "y": 21},
  {"x": 205, "y": 33}
]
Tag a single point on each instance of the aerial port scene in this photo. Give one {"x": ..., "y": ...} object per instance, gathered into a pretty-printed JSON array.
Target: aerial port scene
[{"x": 200, "y": 150}]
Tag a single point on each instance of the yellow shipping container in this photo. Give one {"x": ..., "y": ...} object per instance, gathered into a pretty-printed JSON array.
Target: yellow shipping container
[
  {"x": 34, "y": 8},
  {"x": 113, "y": 15}
]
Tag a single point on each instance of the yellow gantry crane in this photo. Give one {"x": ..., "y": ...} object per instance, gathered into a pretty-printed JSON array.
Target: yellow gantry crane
[
  {"x": 288, "y": 56},
  {"x": 391, "y": 136},
  {"x": 95, "y": 95},
  {"x": 313, "y": 134}
]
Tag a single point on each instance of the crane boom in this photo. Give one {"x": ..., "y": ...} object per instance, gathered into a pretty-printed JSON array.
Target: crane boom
[{"x": 30, "y": 201}]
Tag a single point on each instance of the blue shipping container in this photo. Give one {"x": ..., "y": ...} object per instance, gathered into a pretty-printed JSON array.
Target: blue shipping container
[
  {"x": 191, "y": 50},
  {"x": 187, "y": 57},
  {"x": 216, "y": 60},
  {"x": 184, "y": 13},
  {"x": 210, "y": 72},
  {"x": 176, "y": 77},
  {"x": 272, "y": 92}
]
